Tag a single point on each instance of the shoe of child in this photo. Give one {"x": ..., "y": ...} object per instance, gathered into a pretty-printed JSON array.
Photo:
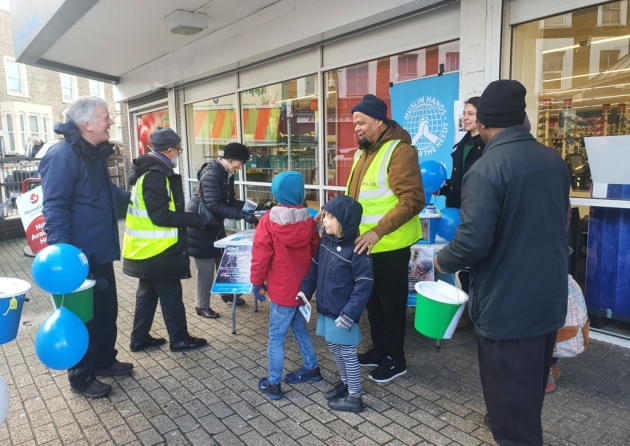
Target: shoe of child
[
  {"x": 340, "y": 390},
  {"x": 347, "y": 403},
  {"x": 272, "y": 390},
  {"x": 303, "y": 375}
]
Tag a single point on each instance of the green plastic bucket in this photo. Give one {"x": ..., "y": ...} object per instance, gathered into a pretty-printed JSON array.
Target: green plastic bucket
[
  {"x": 12, "y": 294},
  {"x": 439, "y": 306},
  {"x": 80, "y": 301}
]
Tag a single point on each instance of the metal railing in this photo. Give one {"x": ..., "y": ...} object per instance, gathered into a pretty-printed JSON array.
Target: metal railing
[{"x": 15, "y": 172}]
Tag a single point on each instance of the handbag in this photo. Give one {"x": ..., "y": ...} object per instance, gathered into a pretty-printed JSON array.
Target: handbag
[{"x": 573, "y": 338}]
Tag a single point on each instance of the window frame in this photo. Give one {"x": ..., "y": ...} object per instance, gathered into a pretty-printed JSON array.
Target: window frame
[
  {"x": 74, "y": 91},
  {"x": 100, "y": 86},
  {"x": 23, "y": 77},
  {"x": 623, "y": 13}
]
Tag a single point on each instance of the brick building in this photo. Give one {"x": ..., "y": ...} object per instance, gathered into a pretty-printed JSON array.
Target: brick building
[{"x": 32, "y": 99}]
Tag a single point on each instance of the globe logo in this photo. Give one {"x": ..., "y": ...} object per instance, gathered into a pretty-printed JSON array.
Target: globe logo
[{"x": 425, "y": 120}]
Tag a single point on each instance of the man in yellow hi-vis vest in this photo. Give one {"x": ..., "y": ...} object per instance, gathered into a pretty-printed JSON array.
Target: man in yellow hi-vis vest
[
  {"x": 155, "y": 246},
  {"x": 386, "y": 180}
]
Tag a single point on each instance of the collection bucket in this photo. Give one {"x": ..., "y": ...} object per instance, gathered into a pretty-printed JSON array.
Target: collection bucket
[
  {"x": 439, "y": 306},
  {"x": 12, "y": 295},
  {"x": 80, "y": 301}
]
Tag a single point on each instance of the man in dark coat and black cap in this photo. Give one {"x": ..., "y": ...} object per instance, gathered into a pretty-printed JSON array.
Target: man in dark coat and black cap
[
  {"x": 155, "y": 247},
  {"x": 513, "y": 237}
]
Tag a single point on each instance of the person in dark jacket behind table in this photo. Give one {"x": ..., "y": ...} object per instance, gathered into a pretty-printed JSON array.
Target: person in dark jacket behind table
[
  {"x": 80, "y": 204},
  {"x": 155, "y": 248},
  {"x": 284, "y": 243},
  {"x": 513, "y": 236},
  {"x": 216, "y": 182},
  {"x": 465, "y": 153},
  {"x": 344, "y": 281}
]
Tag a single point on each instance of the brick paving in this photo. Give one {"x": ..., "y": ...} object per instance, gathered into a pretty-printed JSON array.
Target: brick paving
[{"x": 209, "y": 396}]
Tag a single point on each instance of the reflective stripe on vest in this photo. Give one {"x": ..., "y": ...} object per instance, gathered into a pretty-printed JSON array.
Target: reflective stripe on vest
[
  {"x": 377, "y": 199},
  {"x": 143, "y": 239}
]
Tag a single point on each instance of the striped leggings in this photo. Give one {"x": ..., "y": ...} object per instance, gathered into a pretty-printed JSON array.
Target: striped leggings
[{"x": 348, "y": 364}]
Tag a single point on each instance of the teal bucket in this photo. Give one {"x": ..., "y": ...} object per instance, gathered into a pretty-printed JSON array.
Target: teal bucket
[
  {"x": 439, "y": 306},
  {"x": 12, "y": 295}
]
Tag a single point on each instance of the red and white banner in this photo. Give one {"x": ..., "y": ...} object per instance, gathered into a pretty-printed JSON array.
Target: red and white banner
[{"x": 30, "y": 206}]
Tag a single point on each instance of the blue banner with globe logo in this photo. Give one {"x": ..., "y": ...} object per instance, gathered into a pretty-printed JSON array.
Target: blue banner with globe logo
[{"x": 426, "y": 109}]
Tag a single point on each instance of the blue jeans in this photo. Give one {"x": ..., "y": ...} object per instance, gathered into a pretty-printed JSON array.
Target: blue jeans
[{"x": 280, "y": 319}]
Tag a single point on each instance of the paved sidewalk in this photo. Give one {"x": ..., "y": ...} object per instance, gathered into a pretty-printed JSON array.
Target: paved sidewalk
[{"x": 209, "y": 396}]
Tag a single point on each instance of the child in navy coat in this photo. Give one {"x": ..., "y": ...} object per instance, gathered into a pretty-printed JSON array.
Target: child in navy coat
[{"x": 344, "y": 281}]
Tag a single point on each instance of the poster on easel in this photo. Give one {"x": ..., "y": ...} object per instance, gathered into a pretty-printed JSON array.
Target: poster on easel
[
  {"x": 233, "y": 273},
  {"x": 30, "y": 206},
  {"x": 421, "y": 268}
]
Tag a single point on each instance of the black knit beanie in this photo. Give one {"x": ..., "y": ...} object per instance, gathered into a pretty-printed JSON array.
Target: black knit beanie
[
  {"x": 163, "y": 138},
  {"x": 236, "y": 151},
  {"x": 372, "y": 106},
  {"x": 502, "y": 104}
]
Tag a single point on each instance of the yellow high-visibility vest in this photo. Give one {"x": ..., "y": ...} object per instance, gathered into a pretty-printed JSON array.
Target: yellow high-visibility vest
[
  {"x": 143, "y": 239},
  {"x": 377, "y": 199}
]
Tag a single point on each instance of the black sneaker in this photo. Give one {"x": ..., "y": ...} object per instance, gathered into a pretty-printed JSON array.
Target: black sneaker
[
  {"x": 371, "y": 358},
  {"x": 347, "y": 403},
  {"x": 340, "y": 390},
  {"x": 190, "y": 342},
  {"x": 116, "y": 368},
  {"x": 303, "y": 375},
  {"x": 148, "y": 342},
  {"x": 387, "y": 370},
  {"x": 274, "y": 391},
  {"x": 96, "y": 389}
]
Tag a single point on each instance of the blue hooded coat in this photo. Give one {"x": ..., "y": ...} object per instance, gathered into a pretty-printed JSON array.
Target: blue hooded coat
[
  {"x": 80, "y": 199},
  {"x": 343, "y": 278}
]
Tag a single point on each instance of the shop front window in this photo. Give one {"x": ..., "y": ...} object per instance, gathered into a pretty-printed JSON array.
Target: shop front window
[
  {"x": 578, "y": 89},
  {"x": 577, "y": 80},
  {"x": 211, "y": 125},
  {"x": 280, "y": 130},
  {"x": 147, "y": 123},
  {"x": 346, "y": 86}
]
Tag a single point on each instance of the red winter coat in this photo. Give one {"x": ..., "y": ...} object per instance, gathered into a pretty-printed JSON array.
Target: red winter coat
[{"x": 285, "y": 240}]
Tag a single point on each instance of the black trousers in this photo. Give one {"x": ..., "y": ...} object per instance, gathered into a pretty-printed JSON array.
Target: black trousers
[
  {"x": 513, "y": 377},
  {"x": 169, "y": 292},
  {"x": 101, "y": 329},
  {"x": 387, "y": 307}
]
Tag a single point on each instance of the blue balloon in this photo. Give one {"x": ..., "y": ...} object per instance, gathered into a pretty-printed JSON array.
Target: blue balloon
[
  {"x": 62, "y": 340},
  {"x": 433, "y": 175},
  {"x": 448, "y": 222},
  {"x": 60, "y": 269}
]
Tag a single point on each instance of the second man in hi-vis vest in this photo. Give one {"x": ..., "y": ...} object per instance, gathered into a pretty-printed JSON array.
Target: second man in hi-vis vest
[
  {"x": 155, "y": 247},
  {"x": 386, "y": 180}
]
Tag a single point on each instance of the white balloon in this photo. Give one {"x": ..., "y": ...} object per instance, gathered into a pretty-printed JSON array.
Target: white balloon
[{"x": 4, "y": 400}]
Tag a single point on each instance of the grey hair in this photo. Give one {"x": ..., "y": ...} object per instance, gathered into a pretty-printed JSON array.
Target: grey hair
[{"x": 84, "y": 109}]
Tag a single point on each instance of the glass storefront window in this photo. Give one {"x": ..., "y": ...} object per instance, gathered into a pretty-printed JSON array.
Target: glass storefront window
[
  {"x": 211, "y": 125},
  {"x": 146, "y": 123},
  {"x": 346, "y": 86},
  {"x": 280, "y": 129},
  {"x": 576, "y": 68}
]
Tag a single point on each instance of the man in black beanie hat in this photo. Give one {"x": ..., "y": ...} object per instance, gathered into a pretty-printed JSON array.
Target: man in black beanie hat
[
  {"x": 389, "y": 226},
  {"x": 155, "y": 246},
  {"x": 513, "y": 237}
]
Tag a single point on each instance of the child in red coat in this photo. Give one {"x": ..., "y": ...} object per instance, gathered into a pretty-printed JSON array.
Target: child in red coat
[{"x": 285, "y": 240}]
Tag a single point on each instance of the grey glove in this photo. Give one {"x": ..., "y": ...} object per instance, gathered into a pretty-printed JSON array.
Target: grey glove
[
  {"x": 344, "y": 321},
  {"x": 250, "y": 218}
]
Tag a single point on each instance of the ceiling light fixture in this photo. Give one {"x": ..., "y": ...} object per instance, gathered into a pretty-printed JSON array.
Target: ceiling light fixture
[{"x": 185, "y": 22}]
